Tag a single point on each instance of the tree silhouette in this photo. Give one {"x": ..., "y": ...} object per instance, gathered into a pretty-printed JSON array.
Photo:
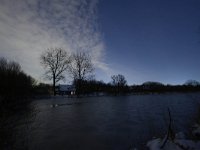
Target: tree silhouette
[
  {"x": 80, "y": 68},
  {"x": 192, "y": 83},
  {"x": 119, "y": 82},
  {"x": 55, "y": 61}
]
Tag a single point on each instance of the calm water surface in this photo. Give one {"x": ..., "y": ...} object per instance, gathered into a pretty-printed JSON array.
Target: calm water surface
[{"x": 108, "y": 122}]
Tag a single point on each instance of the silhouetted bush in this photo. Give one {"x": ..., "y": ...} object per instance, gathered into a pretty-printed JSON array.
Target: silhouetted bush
[
  {"x": 119, "y": 84},
  {"x": 42, "y": 89}
]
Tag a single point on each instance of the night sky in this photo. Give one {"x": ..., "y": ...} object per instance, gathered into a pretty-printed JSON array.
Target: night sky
[
  {"x": 152, "y": 40},
  {"x": 143, "y": 40}
]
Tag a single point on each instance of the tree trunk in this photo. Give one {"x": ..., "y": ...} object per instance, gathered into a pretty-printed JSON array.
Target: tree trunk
[{"x": 54, "y": 85}]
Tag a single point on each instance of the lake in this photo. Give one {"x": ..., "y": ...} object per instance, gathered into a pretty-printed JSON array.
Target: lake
[{"x": 113, "y": 123}]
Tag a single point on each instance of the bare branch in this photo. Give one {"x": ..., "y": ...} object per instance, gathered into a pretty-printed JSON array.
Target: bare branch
[
  {"x": 55, "y": 62},
  {"x": 81, "y": 66}
]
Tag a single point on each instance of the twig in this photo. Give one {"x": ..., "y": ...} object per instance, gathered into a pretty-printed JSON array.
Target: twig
[{"x": 170, "y": 133}]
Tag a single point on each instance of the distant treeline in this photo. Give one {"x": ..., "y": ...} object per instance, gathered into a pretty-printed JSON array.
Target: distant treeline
[
  {"x": 157, "y": 87},
  {"x": 15, "y": 85},
  {"x": 99, "y": 87}
]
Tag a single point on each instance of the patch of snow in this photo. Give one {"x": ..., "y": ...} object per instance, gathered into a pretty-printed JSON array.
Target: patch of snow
[
  {"x": 177, "y": 144},
  {"x": 154, "y": 144}
]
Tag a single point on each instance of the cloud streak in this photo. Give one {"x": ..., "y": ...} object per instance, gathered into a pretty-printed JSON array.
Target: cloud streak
[{"x": 28, "y": 27}]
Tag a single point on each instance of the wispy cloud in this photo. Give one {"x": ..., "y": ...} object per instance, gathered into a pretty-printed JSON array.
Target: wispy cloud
[{"x": 28, "y": 27}]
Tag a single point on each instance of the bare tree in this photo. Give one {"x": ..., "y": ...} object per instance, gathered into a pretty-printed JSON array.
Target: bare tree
[
  {"x": 80, "y": 68},
  {"x": 119, "y": 82},
  {"x": 192, "y": 83},
  {"x": 55, "y": 61}
]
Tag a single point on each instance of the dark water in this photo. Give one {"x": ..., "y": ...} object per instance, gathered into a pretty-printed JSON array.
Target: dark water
[{"x": 107, "y": 122}]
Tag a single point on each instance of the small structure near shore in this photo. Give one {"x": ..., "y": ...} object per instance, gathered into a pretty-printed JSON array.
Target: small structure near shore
[{"x": 64, "y": 89}]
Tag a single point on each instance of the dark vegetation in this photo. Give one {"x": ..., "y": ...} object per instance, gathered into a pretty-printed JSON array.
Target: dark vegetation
[
  {"x": 156, "y": 87},
  {"x": 42, "y": 90},
  {"x": 96, "y": 88},
  {"x": 16, "y": 89},
  {"x": 99, "y": 87},
  {"x": 55, "y": 62},
  {"x": 80, "y": 68},
  {"x": 15, "y": 85}
]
